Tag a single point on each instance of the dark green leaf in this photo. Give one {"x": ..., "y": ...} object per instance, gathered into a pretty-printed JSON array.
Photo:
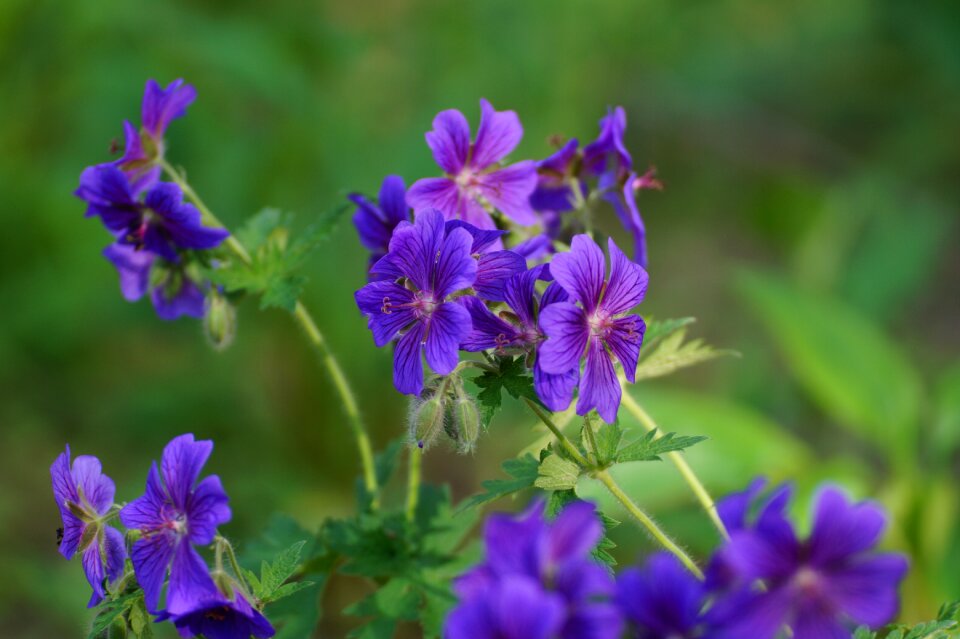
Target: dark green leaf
[
  {"x": 523, "y": 472},
  {"x": 651, "y": 446},
  {"x": 110, "y": 610},
  {"x": 394, "y": 602},
  {"x": 512, "y": 377}
]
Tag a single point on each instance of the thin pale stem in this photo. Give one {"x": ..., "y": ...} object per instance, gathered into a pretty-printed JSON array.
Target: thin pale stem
[
  {"x": 305, "y": 321},
  {"x": 413, "y": 481},
  {"x": 566, "y": 443},
  {"x": 223, "y": 544},
  {"x": 647, "y": 522},
  {"x": 709, "y": 506}
]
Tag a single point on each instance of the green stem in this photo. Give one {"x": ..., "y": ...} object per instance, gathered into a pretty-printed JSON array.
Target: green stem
[
  {"x": 566, "y": 443},
  {"x": 223, "y": 544},
  {"x": 305, "y": 321},
  {"x": 413, "y": 481},
  {"x": 677, "y": 459},
  {"x": 647, "y": 522}
]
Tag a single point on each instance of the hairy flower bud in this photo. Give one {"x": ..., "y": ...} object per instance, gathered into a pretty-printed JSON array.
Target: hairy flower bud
[
  {"x": 220, "y": 321},
  {"x": 427, "y": 421},
  {"x": 466, "y": 419}
]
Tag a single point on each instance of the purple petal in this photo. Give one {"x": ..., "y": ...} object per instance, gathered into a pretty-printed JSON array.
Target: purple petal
[
  {"x": 815, "y": 621},
  {"x": 624, "y": 341},
  {"x": 842, "y": 529},
  {"x": 189, "y": 580},
  {"x": 181, "y": 220},
  {"x": 133, "y": 267},
  {"x": 581, "y": 271},
  {"x": 442, "y": 194},
  {"x": 94, "y": 569},
  {"x": 452, "y": 267},
  {"x": 575, "y": 532},
  {"x": 413, "y": 250},
  {"x": 508, "y": 190},
  {"x": 517, "y": 544},
  {"x": 133, "y": 152},
  {"x": 183, "y": 459},
  {"x": 525, "y": 611},
  {"x": 609, "y": 145},
  {"x": 565, "y": 326},
  {"x": 370, "y": 223},
  {"x": 382, "y": 303},
  {"x": 499, "y": 133},
  {"x": 768, "y": 554},
  {"x": 187, "y": 301},
  {"x": 448, "y": 326},
  {"x": 519, "y": 293},
  {"x": 472, "y": 619},
  {"x": 482, "y": 239},
  {"x": 624, "y": 204},
  {"x": 393, "y": 200},
  {"x": 560, "y": 163},
  {"x": 160, "y": 106},
  {"x": 151, "y": 557},
  {"x": 554, "y": 293},
  {"x": 866, "y": 590},
  {"x": 536, "y": 248},
  {"x": 493, "y": 271},
  {"x": 662, "y": 597},
  {"x": 450, "y": 140},
  {"x": 407, "y": 367},
  {"x": 108, "y": 195},
  {"x": 65, "y": 490},
  {"x": 96, "y": 488},
  {"x": 147, "y": 511},
  {"x": 627, "y": 285},
  {"x": 555, "y": 391},
  {"x": 207, "y": 508},
  {"x": 599, "y": 387},
  {"x": 745, "y": 613},
  {"x": 584, "y": 579},
  {"x": 596, "y": 620},
  {"x": 487, "y": 330},
  {"x": 733, "y": 508}
]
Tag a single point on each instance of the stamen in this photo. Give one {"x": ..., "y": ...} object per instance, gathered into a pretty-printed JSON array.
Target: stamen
[{"x": 385, "y": 309}]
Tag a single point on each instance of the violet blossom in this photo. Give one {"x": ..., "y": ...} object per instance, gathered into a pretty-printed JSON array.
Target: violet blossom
[{"x": 375, "y": 221}]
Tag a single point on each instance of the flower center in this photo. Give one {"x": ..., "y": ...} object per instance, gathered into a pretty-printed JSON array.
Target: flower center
[
  {"x": 467, "y": 180},
  {"x": 600, "y": 324},
  {"x": 807, "y": 582}
]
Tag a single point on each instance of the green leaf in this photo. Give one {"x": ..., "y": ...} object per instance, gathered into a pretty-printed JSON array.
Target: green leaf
[
  {"x": 139, "y": 619},
  {"x": 658, "y": 329},
  {"x": 274, "y": 259},
  {"x": 512, "y": 377},
  {"x": 557, "y": 473},
  {"x": 523, "y": 472},
  {"x": 274, "y": 575},
  {"x": 559, "y": 499},
  {"x": 946, "y": 432},
  {"x": 673, "y": 354},
  {"x": 110, "y": 610},
  {"x": 856, "y": 375},
  {"x": 608, "y": 438},
  {"x": 394, "y": 602},
  {"x": 651, "y": 446}
]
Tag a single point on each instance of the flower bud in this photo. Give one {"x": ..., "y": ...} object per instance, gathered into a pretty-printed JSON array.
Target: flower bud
[
  {"x": 220, "y": 321},
  {"x": 467, "y": 421},
  {"x": 427, "y": 421}
]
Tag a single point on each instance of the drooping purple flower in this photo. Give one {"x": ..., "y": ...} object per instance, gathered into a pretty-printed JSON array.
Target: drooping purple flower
[
  {"x": 145, "y": 146},
  {"x": 84, "y": 496},
  {"x": 662, "y": 600},
  {"x": 162, "y": 224},
  {"x": 522, "y": 332},
  {"x": 176, "y": 513},
  {"x": 171, "y": 290},
  {"x": 221, "y": 616},
  {"x": 375, "y": 221},
  {"x": 598, "y": 327},
  {"x": 435, "y": 264},
  {"x": 608, "y": 154},
  {"x": 554, "y": 559},
  {"x": 822, "y": 586},
  {"x": 472, "y": 177},
  {"x": 494, "y": 266},
  {"x": 555, "y": 176}
]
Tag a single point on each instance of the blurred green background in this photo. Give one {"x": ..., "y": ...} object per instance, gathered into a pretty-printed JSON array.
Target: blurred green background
[{"x": 810, "y": 154}]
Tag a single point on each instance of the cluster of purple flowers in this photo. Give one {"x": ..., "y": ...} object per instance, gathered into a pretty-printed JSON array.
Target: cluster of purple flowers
[
  {"x": 156, "y": 233},
  {"x": 477, "y": 261},
  {"x": 538, "y": 580},
  {"x": 177, "y": 513}
]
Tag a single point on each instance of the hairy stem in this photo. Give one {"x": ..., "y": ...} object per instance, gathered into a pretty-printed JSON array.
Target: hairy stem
[
  {"x": 709, "y": 505},
  {"x": 305, "y": 321},
  {"x": 566, "y": 443},
  {"x": 647, "y": 522},
  {"x": 413, "y": 481}
]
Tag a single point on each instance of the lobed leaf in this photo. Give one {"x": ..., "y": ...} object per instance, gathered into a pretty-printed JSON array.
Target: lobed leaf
[
  {"x": 557, "y": 473},
  {"x": 523, "y": 472},
  {"x": 673, "y": 354},
  {"x": 652, "y": 445}
]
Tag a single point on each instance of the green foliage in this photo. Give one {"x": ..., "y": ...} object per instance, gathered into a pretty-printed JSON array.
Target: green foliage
[
  {"x": 658, "y": 329},
  {"x": 126, "y": 611},
  {"x": 608, "y": 438},
  {"x": 559, "y": 499},
  {"x": 272, "y": 584},
  {"x": 512, "y": 376},
  {"x": 523, "y": 473},
  {"x": 557, "y": 473},
  {"x": 847, "y": 365},
  {"x": 273, "y": 272},
  {"x": 650, "y": 446},
  {"x": 673, "y": 354}
]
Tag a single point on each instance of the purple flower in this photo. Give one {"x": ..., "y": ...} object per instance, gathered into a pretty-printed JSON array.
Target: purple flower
[
  {"x": 554, "y": 178},
  {"x": 608, "y": 153},
  {"x": 375, "y": 221},
  {"x": 494, "y": 267},
  {"x": 663, "y": 600},
  {"x": 174, "y": 514},
  {"x": 522, "y": 332},
  {"x": 161, "y": 224},
  {"x": 144, "y": 146},
  {"x": 533, "y": 559},
  {"x": 219, "y": 616},
  {"x": 435, "y": 264},
  {"x": 84, "y": 496},
  {"x": 598, "y": 326},
  {"x": 171, "y": 290},
  {"x": 473, "y": 180},
  {"x": 820, "y": 586}
]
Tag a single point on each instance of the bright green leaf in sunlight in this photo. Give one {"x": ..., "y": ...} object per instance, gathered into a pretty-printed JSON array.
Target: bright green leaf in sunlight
[
  {"x": 673, "y": 354},
  {"x": 857, "y": 375}
]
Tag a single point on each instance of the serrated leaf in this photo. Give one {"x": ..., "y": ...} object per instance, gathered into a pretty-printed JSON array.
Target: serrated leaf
[
  {"x": 110, "y": 610},
  {"x": 512, "y": 376},
  {"x": 139, "y": 619},
  {"x": 651, "y": 446},
  {"x": 608, "y": 437},
  {"x": 557, "y": 473},
  {"x": 273, "y": 575},
  {"x": 658, "y": 329},
  {"x": 673, "y": 354},
  {"x": 523, "y": 472},
  {"x": 255, "y": 231}
]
